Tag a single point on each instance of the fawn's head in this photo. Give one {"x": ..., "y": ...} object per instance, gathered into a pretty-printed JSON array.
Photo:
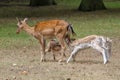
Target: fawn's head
[{"x": 20, "y": 24}]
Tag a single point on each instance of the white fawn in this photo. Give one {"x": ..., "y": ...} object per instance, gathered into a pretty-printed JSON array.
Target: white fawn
[{"x": 100, "y": 43}]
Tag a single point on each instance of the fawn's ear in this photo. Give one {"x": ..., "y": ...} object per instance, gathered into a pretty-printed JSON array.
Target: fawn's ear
[
  {"x": 25, "y": 19},
  {"x": 18, "y": 19}
]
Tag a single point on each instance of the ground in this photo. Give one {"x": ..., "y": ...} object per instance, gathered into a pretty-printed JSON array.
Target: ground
[{"x": 24, "y": 64}]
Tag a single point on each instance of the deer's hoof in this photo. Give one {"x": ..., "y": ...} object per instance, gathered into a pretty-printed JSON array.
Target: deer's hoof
[{"x": 43, "y": 60}]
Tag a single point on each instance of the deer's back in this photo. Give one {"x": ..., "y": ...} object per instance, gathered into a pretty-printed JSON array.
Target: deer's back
[{"x": 51, "y": 24}]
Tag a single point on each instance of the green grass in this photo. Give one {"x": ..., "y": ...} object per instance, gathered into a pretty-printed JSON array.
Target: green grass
[
  {"x": 104, "y": 22},
  {"x": 113, "y": 4}
]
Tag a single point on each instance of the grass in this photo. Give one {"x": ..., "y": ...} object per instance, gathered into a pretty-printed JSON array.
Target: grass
[
  {"x": 104, "y": 22},
  {"x": 113, "y": 4}
]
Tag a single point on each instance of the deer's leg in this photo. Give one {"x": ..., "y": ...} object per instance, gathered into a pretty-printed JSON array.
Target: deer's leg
[
  {"x": 105, "y": 56},
  {"x": 42, "y": 46},
  {"x": 54, "y": 56},
  {"x": 107, "y": 49},
  {"x": 103, "y": 51},
  {"x": 76, "y": 49},
  {"x": 48, "y": 47},
  {"x": 62, "y": 54},
  {"x": 108, "y": 52},
  {"x": 63, "y": 47},
  {"x": 43, "y": 53},
  {"x": 38, "y": 36}
]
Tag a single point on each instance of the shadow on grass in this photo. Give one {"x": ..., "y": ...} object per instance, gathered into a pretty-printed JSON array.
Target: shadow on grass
[
  {"x": 87, "y": 62},
  {"x": 78, "y": 61}
]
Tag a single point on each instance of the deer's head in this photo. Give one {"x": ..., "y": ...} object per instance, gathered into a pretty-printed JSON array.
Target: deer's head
[{"x": 20, "y": 24}]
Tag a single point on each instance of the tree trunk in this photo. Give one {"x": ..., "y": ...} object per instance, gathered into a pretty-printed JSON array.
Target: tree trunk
[
  {"x": 42, "y": 2},
  {"x": 91, "y": 5}
]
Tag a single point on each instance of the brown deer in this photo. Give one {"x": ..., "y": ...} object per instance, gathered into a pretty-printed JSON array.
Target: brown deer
[{"x": 42, "y": 31}]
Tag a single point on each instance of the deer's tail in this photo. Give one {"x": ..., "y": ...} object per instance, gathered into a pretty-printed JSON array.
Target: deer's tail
[
  {"x": 70, "y": 29},
  {"x": 70, "y": 32}
]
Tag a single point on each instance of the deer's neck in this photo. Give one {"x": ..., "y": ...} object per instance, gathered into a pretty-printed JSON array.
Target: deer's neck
[{"x": 28, "y": 29}]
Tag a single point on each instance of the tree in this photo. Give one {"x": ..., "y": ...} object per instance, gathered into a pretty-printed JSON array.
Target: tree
[
  {"x": 42, "y": 2},
  {"x": 91, "y": 5}
]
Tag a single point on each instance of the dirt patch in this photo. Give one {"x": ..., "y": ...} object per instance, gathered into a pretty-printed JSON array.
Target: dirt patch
[{"x": 24, "y": 64}]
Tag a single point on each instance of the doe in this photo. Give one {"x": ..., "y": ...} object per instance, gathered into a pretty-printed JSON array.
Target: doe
[{"x": 45, "y": 30}]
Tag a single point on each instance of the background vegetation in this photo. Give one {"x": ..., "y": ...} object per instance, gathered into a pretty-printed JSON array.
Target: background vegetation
[{"x": 104, "y": 22}]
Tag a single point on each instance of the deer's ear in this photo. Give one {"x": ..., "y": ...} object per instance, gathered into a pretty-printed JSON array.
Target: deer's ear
[
  {"x": 25, "y": 19},
  {"x": 18, "y": 19}
]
